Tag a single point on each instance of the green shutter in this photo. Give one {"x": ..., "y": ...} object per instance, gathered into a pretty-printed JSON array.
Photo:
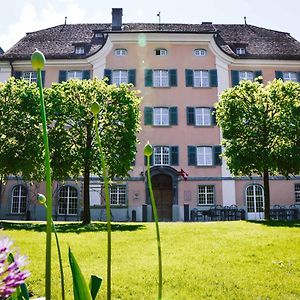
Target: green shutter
[
  {"x": 213, "y": 78},
  {"x": 148, "y": 116},
  {"x": 258, "y": 74},
  {"x": 213, "y": 116},
  {"x": 189, "y": 77},
  {"x": 235, "y": 79},
  {"x": 174, "y": 156},
  {"x": 173, "y": 77},
  {"x": 62, "y": 76},
  {"x": 192, "y": 157},
  {"x": 298, "y": 76},
  {"x": 173, "y": 115},
  {"x": 217, "y": 150},
  {"x": 131, "y": 76},
  {"x": 108, "y": 74},
  {"x": 190, "y": 116},
  {"x": 151, "y": 160},
  {"x": 18, "y": 74},
  {"x": 86, "y": 74},
  {"x": 279, "y": 75},
  {"x": 148, "y": 77},
  {"x": 43, "y": 77}
]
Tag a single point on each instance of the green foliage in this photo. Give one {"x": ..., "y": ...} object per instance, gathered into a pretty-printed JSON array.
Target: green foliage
[
  {"x": 260, "y": 127},
  {"x": 71, "y": 138}
]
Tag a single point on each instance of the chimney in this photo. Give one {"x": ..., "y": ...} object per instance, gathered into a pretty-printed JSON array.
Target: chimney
[{"x": 117, "y": 14}]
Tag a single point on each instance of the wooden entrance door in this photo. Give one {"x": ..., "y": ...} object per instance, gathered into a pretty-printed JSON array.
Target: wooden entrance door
[{"x": 163, "y": 193}]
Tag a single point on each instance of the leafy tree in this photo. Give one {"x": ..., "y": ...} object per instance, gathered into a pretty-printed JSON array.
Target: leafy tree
[
  {"x": 72, "y": 143},
  {"x": 261, "y": 130}
]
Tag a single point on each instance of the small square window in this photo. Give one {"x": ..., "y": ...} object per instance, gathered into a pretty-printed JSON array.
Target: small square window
[
  {"x": 240, "y": 51},
  {"x": 199, "y": 52},
  {"x": 161, "y": 52},
  {"x": 120, "y": 52},
  {"x": 79, "y": 50}
]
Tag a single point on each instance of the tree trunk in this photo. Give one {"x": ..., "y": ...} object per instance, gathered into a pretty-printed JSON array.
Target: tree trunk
[
  {"x": 86, "y": 176},
  {"x": 267, "y": 194}
]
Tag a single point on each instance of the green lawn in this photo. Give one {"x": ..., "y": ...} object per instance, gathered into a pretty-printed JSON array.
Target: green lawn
[{"x": 212, "y": 260}]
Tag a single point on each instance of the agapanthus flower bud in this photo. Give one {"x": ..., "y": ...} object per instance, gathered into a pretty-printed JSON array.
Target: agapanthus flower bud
[{"x": 148, "y": 149}]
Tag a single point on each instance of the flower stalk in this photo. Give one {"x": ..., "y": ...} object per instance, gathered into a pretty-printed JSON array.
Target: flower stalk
[
  {"x": 38, "y": 62},
  {"x": 148, "y": 151},
  {"x": 95, "y": 108}
]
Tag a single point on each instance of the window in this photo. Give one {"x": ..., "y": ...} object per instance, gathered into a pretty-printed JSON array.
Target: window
[
  {"x": 68, "y": 201},
  {"x": 79, "y": 50},
  {"x": 240, "y": 51},
  {"x": 160, "y": 78},
  {"x": 118, "y": 195},
  {"x": 98, "y": 35},
  {"x": 161, "y": 155},
  {"x": 161, "y": 116},
  {"x": 119, "y": 76},
  {"x": 74, "y": 75},
  {"x": 204, "y": 156},
  {"x": 199, "y": 52},
  {"x": 206, "y": 194},
  {"x": 120, "y": 52},
  {"x": 246, "y": 75},
  {"x": 31, "y": 76},
  {"x": 297, "y": 193},
  {"x": 202, "y": 116},
  {"x": 19, "y": 199},
  {"x": 201, "y": 78},
  {"x": 254, "y": 198},
  {"x": 161, "y": 52},
  {"x": 290, "y": 76}
]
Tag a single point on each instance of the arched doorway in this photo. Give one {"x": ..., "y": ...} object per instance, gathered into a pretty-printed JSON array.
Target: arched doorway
[
  {"x": 255, "y": 202},
  {"x": 163, "y": 193}
]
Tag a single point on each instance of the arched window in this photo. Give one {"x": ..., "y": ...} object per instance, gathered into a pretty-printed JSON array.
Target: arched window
[
  {"x": 161, "y": 52},
  {"x": 255, "y": 198},
  {"x": 18, "y": 199},
  {"x": 199, "y": 52},
  {"x": 120, "y": 52},
  {"x": 68, "y": 201}
]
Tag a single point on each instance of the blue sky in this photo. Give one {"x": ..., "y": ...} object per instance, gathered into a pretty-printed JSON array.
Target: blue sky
[{"x": 21, "y": 16}]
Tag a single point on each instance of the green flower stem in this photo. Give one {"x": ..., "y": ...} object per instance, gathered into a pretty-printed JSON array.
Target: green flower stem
[
  {"x": 108, "y": 217},
  {"x": 48, "y": 189},
  {"x": 157, "y": 230},
  {"x": 62, "y": 281}
]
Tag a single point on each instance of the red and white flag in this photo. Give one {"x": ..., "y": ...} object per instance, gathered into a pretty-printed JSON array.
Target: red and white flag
[{"x": 184, "y": 174}]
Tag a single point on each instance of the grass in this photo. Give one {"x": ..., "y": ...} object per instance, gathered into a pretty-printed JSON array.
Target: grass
[{"x": 213, "y": 260}]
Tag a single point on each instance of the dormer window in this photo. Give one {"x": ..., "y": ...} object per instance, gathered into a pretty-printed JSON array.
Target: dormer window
[
  {"x": 98, "y": 35},
  {"x": 199, "y": 52},
  {"x": 240, "y": 51},
  {"x": 161, "y": 52},
  {"x": 121, "y": 52},
  {"x": 79, "y": 50}
]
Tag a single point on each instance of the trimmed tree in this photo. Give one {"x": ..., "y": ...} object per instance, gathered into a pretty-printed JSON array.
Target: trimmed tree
[
  {"x": 260, "y": 128},
  {"x": 72, "y": 142}
]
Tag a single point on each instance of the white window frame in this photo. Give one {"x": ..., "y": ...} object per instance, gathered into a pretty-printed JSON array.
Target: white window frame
[
  {"x": 203, "y": 116},
  {"x": 118, "y": 195},
  {"x": 290, "y": 76},
  {"x": 69, "y": 204},
  {"x": 19, "y": 199},
  {"x": 206, "y": 194},
  {"x": 119, "y": 76},
  {"x": 74, "y": 74},
  {"x": 201, "y": 78},
  {"x": 255, "y": 199},
  {"x": 161, "y": 52},
  {"x": 120, "y": 52},
  {"x": 79, "y": 50},
  {"x": 297, "y": 192},
  {"x": 30, "y": 76},
  {"x": 161, "y": 116},
  {"x": 161, "y": 155},
  {"x": 199, "y": 52},
  {"x": 204, "y": 156},
  {"x": 240, "y": 51},
  {"x": 246, "y": 75},
  {"x": 161, "y": 78}
]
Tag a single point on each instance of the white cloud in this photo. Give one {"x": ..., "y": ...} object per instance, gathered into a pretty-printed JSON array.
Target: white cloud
[{"x": 33, "y": 18}]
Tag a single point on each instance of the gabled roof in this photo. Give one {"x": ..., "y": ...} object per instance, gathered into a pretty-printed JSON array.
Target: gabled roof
[{"x": 60, "y": 41}]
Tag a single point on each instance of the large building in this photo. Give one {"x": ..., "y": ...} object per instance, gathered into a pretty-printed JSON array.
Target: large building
[{"x": 180, "y": 69}]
